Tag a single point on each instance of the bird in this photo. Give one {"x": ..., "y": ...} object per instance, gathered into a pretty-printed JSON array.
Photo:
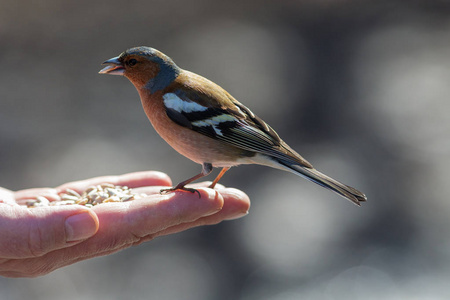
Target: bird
[{"x": 203, "y": 122}]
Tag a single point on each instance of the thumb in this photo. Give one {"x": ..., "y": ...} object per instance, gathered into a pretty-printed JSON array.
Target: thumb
[{"x": 34, "y": 232}]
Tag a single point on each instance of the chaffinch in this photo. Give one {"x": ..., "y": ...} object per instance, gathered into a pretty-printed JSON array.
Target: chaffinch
[{"x": 203, "y": 122}]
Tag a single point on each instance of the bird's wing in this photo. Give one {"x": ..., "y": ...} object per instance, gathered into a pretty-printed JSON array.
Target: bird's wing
[{"x": 228, "y": 121}]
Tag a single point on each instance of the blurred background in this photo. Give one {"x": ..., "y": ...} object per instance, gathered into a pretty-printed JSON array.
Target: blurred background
[{"x": 359, "y": 88}]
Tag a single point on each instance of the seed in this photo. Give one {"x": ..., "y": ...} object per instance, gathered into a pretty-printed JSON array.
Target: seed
[
  {"x": 69, "y": 197},
  {"x": 112, "y": 199},
  {"x": 106, "y": 185},
  {"x": 89, "y": 190},
  {"x": 103, "y": 195},
  {"x": 72, "y": 192},
  {"x": 82, "y": 201},
  {"x": 42, "y": 201},
  {"x": 111, "y": 192},
  {"x": 128, "y": 198}
]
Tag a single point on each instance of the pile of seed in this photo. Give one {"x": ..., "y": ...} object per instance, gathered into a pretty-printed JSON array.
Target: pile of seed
[{"x": 94, "y": 195}]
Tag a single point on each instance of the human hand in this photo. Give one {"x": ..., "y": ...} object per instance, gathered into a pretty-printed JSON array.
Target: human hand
[{"x": 36, "y": 241}]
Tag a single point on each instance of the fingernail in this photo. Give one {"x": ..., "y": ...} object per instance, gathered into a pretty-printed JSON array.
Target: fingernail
[
  {"x": 80, "y": 227},
  {"x": 214, "y": 202},
  {"x": 238, "y": 216}
]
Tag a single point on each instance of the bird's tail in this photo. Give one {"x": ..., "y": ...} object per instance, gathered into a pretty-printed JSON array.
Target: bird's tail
[{"x": 315, "y": 176}]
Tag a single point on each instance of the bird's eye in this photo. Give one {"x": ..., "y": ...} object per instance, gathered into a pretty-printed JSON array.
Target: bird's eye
[{"x": 132, "y": 62}]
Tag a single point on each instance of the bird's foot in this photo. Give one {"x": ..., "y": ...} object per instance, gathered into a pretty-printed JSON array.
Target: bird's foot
[{"x": 177, "y": 188}]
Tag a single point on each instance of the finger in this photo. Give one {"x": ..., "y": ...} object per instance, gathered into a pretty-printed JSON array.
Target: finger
[
  {"x": 34, "y": 232},
  {"x": 7, "y": 196},
  {"x": 49, "y": 193},
  {"x": 236, "y": 205},
  {"x": 132, "y": 180},
  {"x": 152, "y": 214},
  {"x": 149, "y": 190}
]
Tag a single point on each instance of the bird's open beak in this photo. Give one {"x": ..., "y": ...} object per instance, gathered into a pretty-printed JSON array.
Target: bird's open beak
[{"x": 114, "y": 67}]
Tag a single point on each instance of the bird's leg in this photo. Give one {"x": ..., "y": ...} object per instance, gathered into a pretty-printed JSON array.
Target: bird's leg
[
  {"x": 213, "y": 184},
  {"x": 206, "y": 170}
]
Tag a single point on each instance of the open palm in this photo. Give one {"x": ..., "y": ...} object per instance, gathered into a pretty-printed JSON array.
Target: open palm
[{"x": 36, "y": 241}]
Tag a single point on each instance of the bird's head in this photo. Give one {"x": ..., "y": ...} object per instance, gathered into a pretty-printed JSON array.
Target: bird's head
[{"x": 145, "y": 67}]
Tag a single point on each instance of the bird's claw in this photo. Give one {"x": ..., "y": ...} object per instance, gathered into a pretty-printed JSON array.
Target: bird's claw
[{"x": 166, "y": 191}]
